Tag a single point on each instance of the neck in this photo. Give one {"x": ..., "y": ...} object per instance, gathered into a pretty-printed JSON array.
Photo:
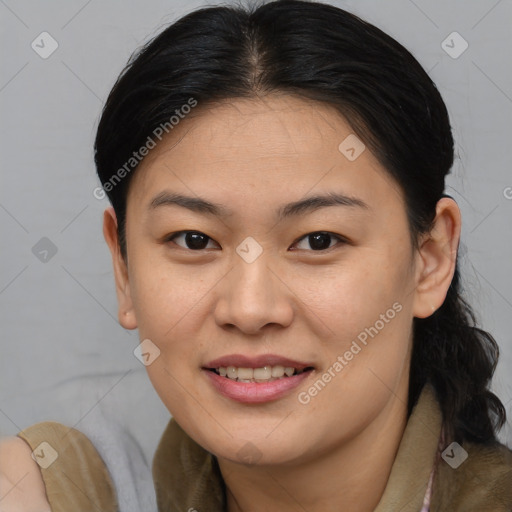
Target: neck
[{"x": 351, "y": 476}]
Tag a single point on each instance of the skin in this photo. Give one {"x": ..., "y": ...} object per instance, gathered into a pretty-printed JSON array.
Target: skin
[
  {"x": 253, "y": 156},
  {"x": 21, "y": 482}
]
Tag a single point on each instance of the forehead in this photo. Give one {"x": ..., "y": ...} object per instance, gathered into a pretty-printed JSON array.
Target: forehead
[{"x": 269, "y": 146}]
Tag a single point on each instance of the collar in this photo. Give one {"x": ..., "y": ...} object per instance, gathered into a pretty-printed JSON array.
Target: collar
[{"x": 187, "y": 477}]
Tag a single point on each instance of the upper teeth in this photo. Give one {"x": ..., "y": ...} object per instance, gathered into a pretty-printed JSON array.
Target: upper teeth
[{"x": 264, "y": 373}]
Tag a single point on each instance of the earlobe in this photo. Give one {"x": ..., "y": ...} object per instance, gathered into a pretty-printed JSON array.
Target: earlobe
[
  {"x": 436, "y": 259},
  {"x": 126, "y": 313}
]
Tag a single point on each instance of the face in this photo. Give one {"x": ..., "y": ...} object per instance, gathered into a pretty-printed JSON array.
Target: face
[{"x": 262, "y": 277}]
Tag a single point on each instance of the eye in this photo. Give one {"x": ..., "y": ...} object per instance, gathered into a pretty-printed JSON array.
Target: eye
[
  {"x": 197, "y": 241},
  {"x": 194, "y": 240},
  {"x": 320, "y": 240}
]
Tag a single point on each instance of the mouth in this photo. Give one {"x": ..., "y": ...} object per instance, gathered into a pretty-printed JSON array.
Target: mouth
[
  {"x": 260, "y": 375},
  {"x": 258, "y": 379}
]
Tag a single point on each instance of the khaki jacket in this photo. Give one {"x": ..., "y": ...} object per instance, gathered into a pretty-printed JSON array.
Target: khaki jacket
[{"x": 187, "y": 477}]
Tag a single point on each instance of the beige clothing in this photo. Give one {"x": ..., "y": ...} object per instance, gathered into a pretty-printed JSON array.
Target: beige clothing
[
  {"x": 75, "y": 477},
  {"x": 188, "y": 477}
]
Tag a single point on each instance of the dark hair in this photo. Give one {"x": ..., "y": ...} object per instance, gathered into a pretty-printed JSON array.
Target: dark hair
[{"x": 320, "y": 52}]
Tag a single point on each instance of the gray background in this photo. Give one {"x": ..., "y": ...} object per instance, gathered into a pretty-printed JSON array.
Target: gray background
[{"x": 64, "y": 356}]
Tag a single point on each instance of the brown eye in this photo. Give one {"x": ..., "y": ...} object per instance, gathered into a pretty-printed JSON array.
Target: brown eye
[
  {"x": 320, "y": 240},
  {"x": 193, "y": 240}
]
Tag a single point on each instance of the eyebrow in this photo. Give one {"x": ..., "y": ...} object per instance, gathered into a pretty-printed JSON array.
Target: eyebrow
[{"x": 300, "y": 207}]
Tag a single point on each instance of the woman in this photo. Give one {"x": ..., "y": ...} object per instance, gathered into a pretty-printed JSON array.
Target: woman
[{"x": 281, "y": 241}]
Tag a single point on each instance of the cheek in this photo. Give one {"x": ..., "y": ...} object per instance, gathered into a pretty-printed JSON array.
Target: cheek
[
  {"x": 171, "y": 306},
  {"x": 367, "y": 310},
  {"x": 166, "y": 297},
  {"x": 376, "y": 334},
  {"x": 168, "y": 307},
  {"x": 367, "y": 355},
  {"x": 351, "y": 297}
]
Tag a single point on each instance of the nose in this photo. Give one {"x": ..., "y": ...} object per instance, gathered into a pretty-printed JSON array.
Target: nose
[{"x": 253, "y": 296}]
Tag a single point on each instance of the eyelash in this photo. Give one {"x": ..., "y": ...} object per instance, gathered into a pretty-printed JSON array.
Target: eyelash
[{"x": 342, "y": 240}]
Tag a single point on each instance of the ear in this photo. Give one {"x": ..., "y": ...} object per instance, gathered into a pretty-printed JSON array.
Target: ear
[
  {"x": 436, "y": 259},
  {"x": 126, "y": 313}
]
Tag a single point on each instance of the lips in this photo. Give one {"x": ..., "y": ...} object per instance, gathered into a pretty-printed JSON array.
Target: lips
[{"x": 256, "y": 390}]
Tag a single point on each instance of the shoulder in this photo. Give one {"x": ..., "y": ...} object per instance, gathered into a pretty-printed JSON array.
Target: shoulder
[
  {"x": 67, "y": 465},
  {"x": 21, "y": 483},
  {"x": 482, "y": 481}
]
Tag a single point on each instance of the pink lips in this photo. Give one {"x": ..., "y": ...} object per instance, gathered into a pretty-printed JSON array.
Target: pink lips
[{"x": 255, "y": 392}]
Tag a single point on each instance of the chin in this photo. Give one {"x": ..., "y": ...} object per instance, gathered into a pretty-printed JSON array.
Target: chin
[{"x": 257, "y": 454}]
